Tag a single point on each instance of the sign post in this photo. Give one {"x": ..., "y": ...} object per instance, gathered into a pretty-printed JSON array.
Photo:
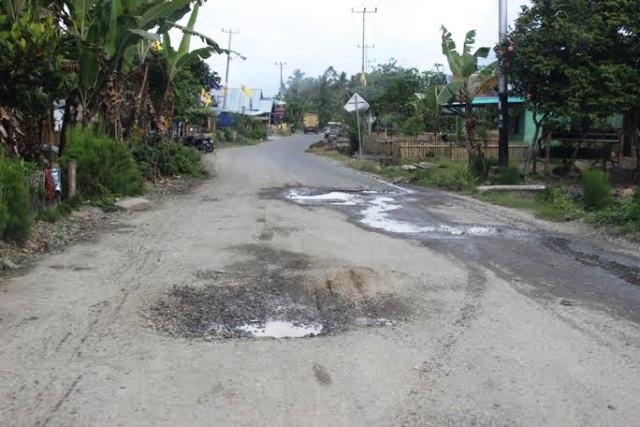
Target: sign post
[{"x": 357, "y": 104}]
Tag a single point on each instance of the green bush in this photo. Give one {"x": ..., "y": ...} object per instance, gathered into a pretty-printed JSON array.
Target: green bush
[
  {"x": 167, "y": 159},
  {"x": 597, "y": 191},
  {"x": 259, "y": 134},
  {"x": 15, "y": 201},
  {"x": 228, "y": 134},
  {"x": 105, "y": 166},
  {"x": 509, "y": 176},
  {"x": 557, "y": 205}
]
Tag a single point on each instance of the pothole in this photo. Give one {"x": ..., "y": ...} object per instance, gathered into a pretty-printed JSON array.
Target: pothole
[
  {"x": 381, "y": 211},
  {"x": 275, "y": 295}
]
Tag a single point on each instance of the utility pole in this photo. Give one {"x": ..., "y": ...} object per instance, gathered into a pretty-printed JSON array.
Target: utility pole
[
  {"x": 226, "y": 74},
  {"x": 281, "y": 64},
  {"x": 503, "y": 96},
  {"x": 364, "y": 47}
]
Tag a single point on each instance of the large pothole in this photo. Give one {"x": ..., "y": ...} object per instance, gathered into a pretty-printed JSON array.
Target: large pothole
[
  {"x": 277, "y": 294},
  {"x": 388, "y": 211}
]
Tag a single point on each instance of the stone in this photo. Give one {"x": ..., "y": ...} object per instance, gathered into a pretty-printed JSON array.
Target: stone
[
  {"x": 423, "y": 165},
  {"x": 133, "y": 204},
  {"x": 409, "y": 167},
  {"x": 7, "y": 264},
  {"x": 628, "y": 192}
]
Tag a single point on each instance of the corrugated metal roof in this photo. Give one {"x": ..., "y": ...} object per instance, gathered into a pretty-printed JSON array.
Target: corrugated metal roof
[{"x": 238, "y": 102}]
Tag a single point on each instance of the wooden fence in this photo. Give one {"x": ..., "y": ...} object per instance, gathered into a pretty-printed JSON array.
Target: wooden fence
[{"x": 405, "y": 151}]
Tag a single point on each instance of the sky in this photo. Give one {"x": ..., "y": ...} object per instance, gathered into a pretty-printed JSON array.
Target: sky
[{"x": 313, "y": 35}]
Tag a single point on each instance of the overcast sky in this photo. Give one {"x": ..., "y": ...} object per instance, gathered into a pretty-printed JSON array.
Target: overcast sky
[{"x": 312, "y": 35}]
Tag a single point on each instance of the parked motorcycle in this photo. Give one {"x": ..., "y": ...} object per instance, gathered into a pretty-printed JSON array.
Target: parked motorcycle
[{"x": 203, "y": 144}]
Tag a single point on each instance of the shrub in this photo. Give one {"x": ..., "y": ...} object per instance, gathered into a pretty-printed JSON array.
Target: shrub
[
  {"x": 557, "y": 205},
  {"x": 167, "y": 159},
  {"x": 509, "y": 176},
  {"x": 259, "y": 134},
  {"x": 105, "y": 166},
  {"x": 597, "y": 191},
  {"x": 15, "y": 201},
  {"x": 228, "y": 134}
]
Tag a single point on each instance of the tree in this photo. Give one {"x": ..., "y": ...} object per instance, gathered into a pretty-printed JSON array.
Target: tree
[
  {"x": 33, "y": 74},
  {"x": 575, "y": 59},
  {"x": 469, "y": 80}
]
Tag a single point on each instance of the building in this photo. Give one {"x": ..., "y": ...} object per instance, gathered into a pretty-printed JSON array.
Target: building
[{"x": 244, "y": 101}]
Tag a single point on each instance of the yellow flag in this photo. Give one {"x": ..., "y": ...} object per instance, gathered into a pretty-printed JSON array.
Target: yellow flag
[
  {"x": 205, "y": 97},
  {"x": 247, "y": 91}
]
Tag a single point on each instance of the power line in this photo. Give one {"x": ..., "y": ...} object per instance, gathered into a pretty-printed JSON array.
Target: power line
[
  {"x": 226, "y": 74},
  {"x": 364, "y": 46}
]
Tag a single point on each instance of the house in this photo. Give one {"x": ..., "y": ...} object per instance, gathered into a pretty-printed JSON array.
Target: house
[{"x": 244, "y": 101}]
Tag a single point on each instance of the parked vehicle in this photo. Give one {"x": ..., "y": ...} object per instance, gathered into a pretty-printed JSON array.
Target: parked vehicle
[
  {"x": 203, "y": 144},
  {"x": 311, "y": 123}
]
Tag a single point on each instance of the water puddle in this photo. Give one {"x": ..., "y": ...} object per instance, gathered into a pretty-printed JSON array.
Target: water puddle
[
  {"x": 376, "y": 211},
  {"x": 281, "y": 329}
]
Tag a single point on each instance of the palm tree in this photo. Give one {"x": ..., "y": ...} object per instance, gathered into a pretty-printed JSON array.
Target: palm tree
[{"x": 469, "y": 80}]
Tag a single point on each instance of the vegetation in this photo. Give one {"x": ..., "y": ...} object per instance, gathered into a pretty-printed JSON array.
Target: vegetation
[
  {"x": 577, "y": 60},
  {"x": 15, "y": 200},
  {"x": 167, "y": 158},
  {"x": 469, "y": 81},
  {"x": 597, "y": 191},
  {"x": 105, "y": 165}
]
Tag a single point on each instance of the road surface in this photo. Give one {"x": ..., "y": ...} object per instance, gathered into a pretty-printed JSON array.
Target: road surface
[{"x": 418, "y": 308}]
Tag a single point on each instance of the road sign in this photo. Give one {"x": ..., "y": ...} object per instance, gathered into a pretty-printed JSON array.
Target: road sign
[{"x": 356, "y": 103}]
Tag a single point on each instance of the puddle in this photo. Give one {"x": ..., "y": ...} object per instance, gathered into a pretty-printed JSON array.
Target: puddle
[
  {"x": 330, "y": 198},
  {"x": 376, "y": 211},
  {"x": 281, "y": 329}
]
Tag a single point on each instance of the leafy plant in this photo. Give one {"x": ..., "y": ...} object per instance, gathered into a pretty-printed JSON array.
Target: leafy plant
[
  {"x": 509, "y": 176},
  {"x": 469, "y": 80},
  {"x": 597, "y": 190},
  {"x": 105, "y": 166},
  {"x": 15, "y": 201}
]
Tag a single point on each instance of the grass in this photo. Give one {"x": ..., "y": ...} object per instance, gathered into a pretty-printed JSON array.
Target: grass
[{"x": 60, "y": 211}]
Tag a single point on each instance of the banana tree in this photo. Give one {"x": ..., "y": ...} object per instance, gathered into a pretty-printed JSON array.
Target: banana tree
[
  {"x": 106, "y": 34},
  {"x": 427, "y": 107},
  {"x": 469, "y": 81},
  {"x": 179, "y": 59}
]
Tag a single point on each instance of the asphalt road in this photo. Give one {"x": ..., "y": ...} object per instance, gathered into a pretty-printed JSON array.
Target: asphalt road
[{"x": 429, "y": 309}]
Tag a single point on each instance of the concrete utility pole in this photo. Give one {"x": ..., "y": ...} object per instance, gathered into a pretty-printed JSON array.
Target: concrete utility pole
[
  {"x": 503, "y": 96},
  {"x": 364, "y": 47},
  {"x": 281, "y": 64},
  {"x": 226, "y": 74}
]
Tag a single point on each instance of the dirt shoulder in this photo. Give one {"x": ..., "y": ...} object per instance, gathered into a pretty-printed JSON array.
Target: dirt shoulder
[{"x": 85, "y": 224}]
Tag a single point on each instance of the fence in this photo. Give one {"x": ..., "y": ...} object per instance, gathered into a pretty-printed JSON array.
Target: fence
[{"x": 405, "y": 151}]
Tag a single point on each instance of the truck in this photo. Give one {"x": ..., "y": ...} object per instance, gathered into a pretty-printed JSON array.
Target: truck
[{"x": 311, "y": 123}]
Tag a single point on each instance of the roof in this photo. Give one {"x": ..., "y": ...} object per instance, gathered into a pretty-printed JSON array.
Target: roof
[
  {"x": 488, "y": 100},
  {"x": 481, "y": 100},
  {"x": 238, "y": 102}
]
